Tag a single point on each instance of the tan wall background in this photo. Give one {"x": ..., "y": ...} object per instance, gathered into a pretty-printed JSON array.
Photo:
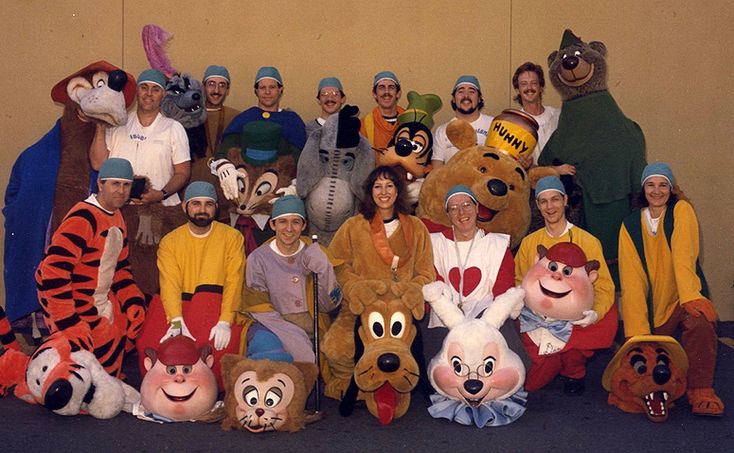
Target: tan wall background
[{"x": 670, "y": 69}]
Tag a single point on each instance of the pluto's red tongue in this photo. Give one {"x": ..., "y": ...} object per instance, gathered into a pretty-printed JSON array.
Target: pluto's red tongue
[{"x": 386, "y": 398}]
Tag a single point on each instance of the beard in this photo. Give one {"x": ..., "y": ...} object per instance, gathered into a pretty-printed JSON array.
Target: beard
[
  {"x": 468, "y": 111},
  {"x": 200, "y": 220}
]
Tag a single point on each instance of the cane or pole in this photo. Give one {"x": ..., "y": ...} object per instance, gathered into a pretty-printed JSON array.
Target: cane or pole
[{"x": 317, "y": 396}]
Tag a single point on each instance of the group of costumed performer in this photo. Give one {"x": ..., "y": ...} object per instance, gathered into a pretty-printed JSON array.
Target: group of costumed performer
[{"x": 85, "y": 285}]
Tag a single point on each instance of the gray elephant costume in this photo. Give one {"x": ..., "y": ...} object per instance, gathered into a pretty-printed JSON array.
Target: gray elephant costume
[{"x": 331, "y": 170}]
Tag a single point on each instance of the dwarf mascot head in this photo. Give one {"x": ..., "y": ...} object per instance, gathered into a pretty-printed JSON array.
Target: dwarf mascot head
[
  {"x": 179, "y": 383},
  {"x": 560, "y": 284}
]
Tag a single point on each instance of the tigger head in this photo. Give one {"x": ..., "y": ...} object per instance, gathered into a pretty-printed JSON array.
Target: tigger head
[{"x": 63, "y": 376}]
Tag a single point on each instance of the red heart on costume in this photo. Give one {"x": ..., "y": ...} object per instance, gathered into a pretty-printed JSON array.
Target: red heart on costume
[{"x": 472, "y": 277}]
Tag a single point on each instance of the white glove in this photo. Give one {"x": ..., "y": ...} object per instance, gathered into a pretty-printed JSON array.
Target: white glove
[
  {"x": 414, "y": 190},
  {"x": 145, "y": 234},
  {"x": 433, "y": 291},
  {"x": 283, "y": 191},
  {"x": 227, "y": 174},
  {"x": 221, "y": 333},
  {"x": 177, "y": 327},
  {"x": 590, "y": 317}
]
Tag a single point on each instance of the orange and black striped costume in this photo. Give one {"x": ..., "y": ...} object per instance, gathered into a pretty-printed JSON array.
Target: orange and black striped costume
[
  {"x": 85, "y": 283},
  {"x": 7, "y": 337}
]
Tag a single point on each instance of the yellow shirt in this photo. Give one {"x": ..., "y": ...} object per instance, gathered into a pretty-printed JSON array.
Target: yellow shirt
[
  {"x": 186, "y": 262},
  {"x": 672, "y": 270}
]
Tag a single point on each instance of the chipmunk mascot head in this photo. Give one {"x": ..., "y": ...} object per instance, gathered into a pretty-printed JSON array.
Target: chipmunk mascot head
[
  {"x": 262, "y": 162},
  {"x": 646, "y": 375},
  {"x": 478, "y": 378},
  {"x": 331, "y": 170}
]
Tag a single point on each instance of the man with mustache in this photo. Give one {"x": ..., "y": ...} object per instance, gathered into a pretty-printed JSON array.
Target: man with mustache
[
  {"x": 380, "y": 124},
  {"x": 218, "y": 116},
  {"x": 331, "y": 98},
  {"x": 467, "y": 102},
  {"x": 529, "y": 83}
]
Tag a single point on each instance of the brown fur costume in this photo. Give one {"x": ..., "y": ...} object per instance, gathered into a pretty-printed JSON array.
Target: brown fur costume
[
  {"x": 72, "y": 182},
  {"x": 646, "y": 375},
  {"x": 386, "y": 370},
  {"x": 253, "y": 417},
  {"x": 501, "y": 185},
  {"x": 260, "y": 178}
]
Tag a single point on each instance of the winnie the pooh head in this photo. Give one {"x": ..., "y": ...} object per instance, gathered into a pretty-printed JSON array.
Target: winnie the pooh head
[{"x": 499, "y": 182}]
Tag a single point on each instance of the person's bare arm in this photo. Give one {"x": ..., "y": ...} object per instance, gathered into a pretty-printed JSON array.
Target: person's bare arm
[
  {"x": 98, "y": 152},
  {"x": 181, "y": 173}
]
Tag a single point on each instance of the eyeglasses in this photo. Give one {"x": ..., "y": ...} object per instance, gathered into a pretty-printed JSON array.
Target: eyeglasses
[
  {"x": 485, "y": 369},
  {"x": 454, "y": 208},
  {"x": 329, "y": 93},
  {"x": 213, "y": 83}
]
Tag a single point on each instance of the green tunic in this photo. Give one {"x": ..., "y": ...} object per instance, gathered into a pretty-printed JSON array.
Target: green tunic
[{"x": 608, "y": 151}]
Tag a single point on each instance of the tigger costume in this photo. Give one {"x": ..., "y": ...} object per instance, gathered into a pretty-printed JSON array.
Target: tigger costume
[
  {"x": 7, "y": 337},
  {"x": 63, "y": 376},
  {"x": 86, "y": 265}
]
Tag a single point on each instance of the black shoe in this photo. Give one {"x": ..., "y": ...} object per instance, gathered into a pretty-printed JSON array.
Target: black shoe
[{"x": 574, "y": 386}]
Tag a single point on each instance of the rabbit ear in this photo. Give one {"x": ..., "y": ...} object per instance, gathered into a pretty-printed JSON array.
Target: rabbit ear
[
  {"x": 447, "y": 312},
  {"x": 504, "y": 306}
]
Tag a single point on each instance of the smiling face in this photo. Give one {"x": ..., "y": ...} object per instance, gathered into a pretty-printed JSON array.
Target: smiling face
[
  {"x": 528, "y": 87},
  {"x": 463, "y": 215},
  {"x": 557, "y": 290},
  {"x": 331, "y": 100},
  {"x": 475, "y": 366},
  {"x": 384, "y": 194},
  {"x": 149, "y": 97},
  {"x": 268, "y": 94},
  {"x": 179, "y": 392},
  {"x": 386, "y": 94},
  {"x": 657, "y": 192},
  {"x": 288, "y": 231},
  {"x": 466, "y": 99},
  {"x": 552, "y": 206},
  {"x": 216, "y": 89}
]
